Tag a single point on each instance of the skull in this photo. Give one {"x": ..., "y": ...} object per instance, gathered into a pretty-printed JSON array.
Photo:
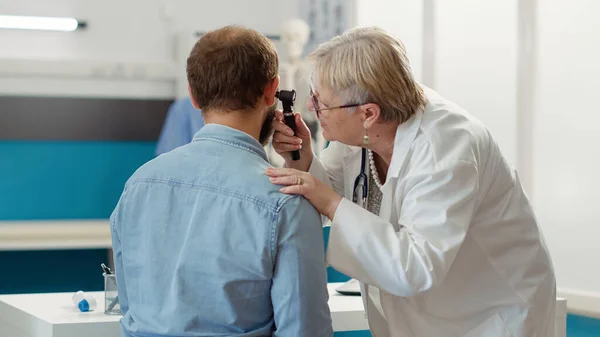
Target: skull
[{"x": 295, "y": 36}]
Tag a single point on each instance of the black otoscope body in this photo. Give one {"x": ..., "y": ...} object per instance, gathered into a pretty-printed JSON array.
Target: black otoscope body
[{"x": 287, "y": 98}]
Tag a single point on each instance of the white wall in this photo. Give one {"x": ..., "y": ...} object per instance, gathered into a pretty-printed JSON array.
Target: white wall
[
  {"x": 118, "y": 30},
  {"x": 132, "y": 30},
  {"x": 566, "y": 154},
  {"x": 450, "y": 45},
  {"x": 129, "y": 31},
  {"x": 403, "y": 19},
  {"x": 476, "y": 62}
]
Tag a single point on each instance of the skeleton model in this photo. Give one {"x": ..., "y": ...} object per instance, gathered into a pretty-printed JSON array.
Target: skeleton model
[{"x": 294, "y": 74}]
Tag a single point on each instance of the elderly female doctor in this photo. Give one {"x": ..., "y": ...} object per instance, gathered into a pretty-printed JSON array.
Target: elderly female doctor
[{"x": 426, "y": 212}]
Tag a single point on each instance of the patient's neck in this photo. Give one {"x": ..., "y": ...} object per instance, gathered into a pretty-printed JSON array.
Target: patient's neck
[{"x": 246, "y": 121}]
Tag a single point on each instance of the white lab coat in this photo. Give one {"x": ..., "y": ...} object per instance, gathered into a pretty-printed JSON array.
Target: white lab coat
[{"x": 456, "y": 249}]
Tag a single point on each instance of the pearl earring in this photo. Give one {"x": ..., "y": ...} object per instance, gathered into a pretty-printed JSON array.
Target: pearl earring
[{"x": 366, "y": 138}]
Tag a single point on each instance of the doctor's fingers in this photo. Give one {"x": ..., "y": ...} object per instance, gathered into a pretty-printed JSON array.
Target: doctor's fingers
[
  {"x": 283, "y": 148},
  {"x": 297, "y": 183},
  {"x": 282, "y": 138},
  {"x": 304, "y": 190},
  {"x": 283, "y": 171},
  {"x": 280, "y": 127},
  {"x": 278, "y": 115},
  {"x": 291, "y": 180},
  {"x": 302, "y": 129}
]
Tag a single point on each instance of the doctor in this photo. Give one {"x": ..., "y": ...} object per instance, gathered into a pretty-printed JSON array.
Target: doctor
[{"x": 426, "y": 212}]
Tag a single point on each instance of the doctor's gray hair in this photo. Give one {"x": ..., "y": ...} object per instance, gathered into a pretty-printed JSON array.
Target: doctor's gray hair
[{"x": 368, "y": 65}]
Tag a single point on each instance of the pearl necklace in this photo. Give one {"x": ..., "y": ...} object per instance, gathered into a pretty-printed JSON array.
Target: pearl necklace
[{"x": 374, "y": 170}]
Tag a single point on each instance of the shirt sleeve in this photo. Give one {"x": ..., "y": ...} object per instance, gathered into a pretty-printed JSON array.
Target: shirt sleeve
[
  {"x": 299, "y": 291},
  {"x": 436, "y": 213}
]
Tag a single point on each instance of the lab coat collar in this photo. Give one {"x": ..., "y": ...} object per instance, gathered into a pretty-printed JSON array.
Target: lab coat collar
[{"x": 405, "y": 136}]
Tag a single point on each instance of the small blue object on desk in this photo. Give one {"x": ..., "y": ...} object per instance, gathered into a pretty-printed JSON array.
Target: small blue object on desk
[
  {"x": 84, "y": 306},
  {"x": 85, "y": 302}
]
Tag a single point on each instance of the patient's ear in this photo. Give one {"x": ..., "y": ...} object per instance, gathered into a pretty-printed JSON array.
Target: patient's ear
[
  {"x": 270, "y": 90},
  {"x": 194, "y": 103}
]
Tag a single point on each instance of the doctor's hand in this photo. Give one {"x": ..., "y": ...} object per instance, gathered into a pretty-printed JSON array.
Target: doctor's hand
[
  {"x": 284, "y": 141},
  {"x": 320, "y": 195}
]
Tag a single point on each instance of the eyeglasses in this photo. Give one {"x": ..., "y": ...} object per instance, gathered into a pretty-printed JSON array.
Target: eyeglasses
[{"x": 318, "y": 110}]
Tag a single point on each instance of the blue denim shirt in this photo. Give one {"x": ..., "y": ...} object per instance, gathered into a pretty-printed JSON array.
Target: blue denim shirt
[{"x": 205, "y": 245}]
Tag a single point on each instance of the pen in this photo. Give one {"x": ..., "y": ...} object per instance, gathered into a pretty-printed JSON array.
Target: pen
[
  {"x": 113, "y": 303},
  {"x": 106, "y": 270}
]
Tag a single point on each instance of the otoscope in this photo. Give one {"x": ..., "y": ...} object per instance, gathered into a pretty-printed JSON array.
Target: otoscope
[{"x": 287, "y": 98}]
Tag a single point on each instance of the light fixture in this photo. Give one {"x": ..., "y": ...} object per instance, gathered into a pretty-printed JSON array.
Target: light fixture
[{"x": 40, "y": 23}]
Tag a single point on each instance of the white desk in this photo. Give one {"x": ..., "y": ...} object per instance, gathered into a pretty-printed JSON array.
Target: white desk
[{"x": 53, "y": 315}]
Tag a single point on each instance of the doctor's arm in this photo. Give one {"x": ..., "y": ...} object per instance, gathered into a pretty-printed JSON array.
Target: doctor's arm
[
  {"x": 329, "y": 167},
  {"x": 435, "y": 214},
  {"x": 299, "y": 290}
]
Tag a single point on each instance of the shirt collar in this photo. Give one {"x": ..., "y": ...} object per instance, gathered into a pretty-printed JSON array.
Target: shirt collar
[{"x": 231, "y": 136}]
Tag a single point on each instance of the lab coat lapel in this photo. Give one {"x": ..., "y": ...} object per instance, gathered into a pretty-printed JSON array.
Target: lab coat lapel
[
  {"x": 405, "y": 136},
  {"x": 387, "y": 205},
  {"x": 352, "y": 162}
]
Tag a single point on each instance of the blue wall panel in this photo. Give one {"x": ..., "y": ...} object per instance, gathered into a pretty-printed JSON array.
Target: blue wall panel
[
  {"x": 582, "y": 326},
  {"x": 51, "y": 271},
  {"x": 43, "y": 180}
]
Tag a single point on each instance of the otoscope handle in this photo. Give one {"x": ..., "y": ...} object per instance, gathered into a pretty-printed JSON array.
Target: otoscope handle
[{"x": 288, "y": 118}]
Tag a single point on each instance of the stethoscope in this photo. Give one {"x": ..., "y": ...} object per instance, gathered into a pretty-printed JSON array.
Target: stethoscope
[{"x": 363, "y": 180}]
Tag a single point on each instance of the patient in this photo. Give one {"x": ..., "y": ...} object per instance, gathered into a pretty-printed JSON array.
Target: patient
[{"x": 204, "y": 244}]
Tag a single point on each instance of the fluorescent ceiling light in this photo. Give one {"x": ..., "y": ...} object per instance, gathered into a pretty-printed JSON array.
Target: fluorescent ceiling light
[{"x": 39, "y": 23}]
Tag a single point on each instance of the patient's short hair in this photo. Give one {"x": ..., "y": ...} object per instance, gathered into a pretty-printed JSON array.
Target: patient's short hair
[{"x": 228, "y": 68}]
